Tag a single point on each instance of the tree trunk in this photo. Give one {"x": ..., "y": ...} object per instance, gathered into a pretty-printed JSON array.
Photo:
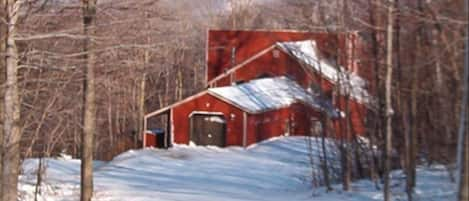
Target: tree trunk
[
  {"x": 2, "y": 81},
  {"x": 411, "y": 137},
  {"x": 11, "y": 127},
  {"x": 445, "y": 109},
  {"x": 347, "y": 147},
  {"x": 376, "y": 127},
  {"x": 142, "y": 88},
  {"x": 141, "y": 101},
  {"x": 109, "y": 120},
  {"x": 179, "y": 84},
  {"x": 407, "y": 124},
  {"x": 324, "y": 164},
  {"x": 75, "y": 142},
  {"x": 89, "y": 113},
  {"x": 413, "y": 125},
  {"x": 388, "y": 102},
  {"x": 39, "y": 173},
  {"x": 464, "y": 194},
  {"x": 463, "y": 139}
]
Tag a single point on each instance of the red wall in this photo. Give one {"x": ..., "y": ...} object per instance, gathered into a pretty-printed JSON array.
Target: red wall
[
  {"x": 286, "y": 65},
  {"x": 207, "y": 103},
  {"x": 269, "y": 124},
  {"x": 260, "y": 126},
  {"x": 296, "y": 120},
  {"x": 280, "y": 65},
  {"x": 248, "y": 43},
  {"x": 357, "y": 114},
  {"x": 150, "y": 140},
  {"x": 220, "y": 45}
]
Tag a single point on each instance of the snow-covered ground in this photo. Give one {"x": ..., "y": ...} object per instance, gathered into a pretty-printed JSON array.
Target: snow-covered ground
[{"x": 279, "y": 169}]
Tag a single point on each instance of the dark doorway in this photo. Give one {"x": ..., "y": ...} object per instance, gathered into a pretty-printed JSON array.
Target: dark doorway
[
  {"x": 162, "y": 139},
  {"x": 158, "y": 128},
  {"x": 208, "y": 129}
]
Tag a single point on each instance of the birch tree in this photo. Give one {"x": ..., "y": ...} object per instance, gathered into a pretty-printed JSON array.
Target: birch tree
[
  {"x": 11, "y": 125},
  {"x": 388, "y": 98}
]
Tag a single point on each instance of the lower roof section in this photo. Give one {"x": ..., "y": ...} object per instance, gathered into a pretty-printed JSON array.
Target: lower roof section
[
  {"x": 261, "y": 95},
  {"x": 266, "y": 94}
]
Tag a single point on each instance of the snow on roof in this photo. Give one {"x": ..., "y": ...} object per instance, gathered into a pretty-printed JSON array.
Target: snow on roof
[
  {"x": 270, "y": 93},
  {"x": 350, "y": 83}
]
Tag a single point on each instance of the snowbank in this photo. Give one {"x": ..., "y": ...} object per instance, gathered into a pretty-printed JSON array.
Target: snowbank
[{"x": 278, "y": 169}]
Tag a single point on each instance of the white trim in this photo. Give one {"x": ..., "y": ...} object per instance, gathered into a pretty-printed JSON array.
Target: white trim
[
  {"x": 236, "y": 67},
  {"x": 309, "y": 72},
  {"x": 171, "y": 116},
  {"x": 243, "y": 109},
  {"x": 175, "y": 104},
  {"x": 274, "y": 30},
  {"x": 229, "y": 102},
  {"x": 157, "y": 112},
  {"x": 245, "y": 122},
  {"x": 306, "y": 66},
  {"x": 206, "y": 56},
  {"x": 166, "y": 134},
  {"x": 144, "y": 132},
  {"x": 205, "y": 113}
]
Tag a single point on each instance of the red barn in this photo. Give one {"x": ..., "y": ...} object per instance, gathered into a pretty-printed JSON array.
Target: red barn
[
  {"x": 226, "y": 49},
  {"x": 266, "y": 84}
]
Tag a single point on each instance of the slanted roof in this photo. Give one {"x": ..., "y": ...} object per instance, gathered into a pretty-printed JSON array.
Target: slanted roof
[
  {"x": 308, "y": 53},
  {"x": 270, "y": 93},
  {"x": 226, "y": 48}
]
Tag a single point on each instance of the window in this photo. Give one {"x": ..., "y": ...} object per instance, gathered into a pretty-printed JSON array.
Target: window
[
  {"x": 276, "y": 53},
  {"x": 264, "y": 75},
  {"x": 238, "y": 82}
]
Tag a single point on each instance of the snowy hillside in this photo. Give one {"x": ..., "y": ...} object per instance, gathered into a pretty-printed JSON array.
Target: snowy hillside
[{"x": 278, "y": 169}]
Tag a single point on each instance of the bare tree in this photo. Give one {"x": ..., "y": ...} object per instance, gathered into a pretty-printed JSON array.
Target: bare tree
[
  {"x": 376, "y": 125},
  {"x": 388, "y": 98},
  {"x": 11, "y": 126},
  {"x": 463, "y": 139},
  {"x": 408, "y": 109},
  {"x": 412, "y": 149},
  {"x": 324, "y": 160},
  {"x": 463, "y": 184},
  {"x": 2, "y": 82},
  {"x": 89, "y": 113},
  {"x": 163, "y": 75}
]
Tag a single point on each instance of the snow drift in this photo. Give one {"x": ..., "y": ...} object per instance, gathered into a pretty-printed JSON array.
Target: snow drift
[{"x": 278, "y": 169}]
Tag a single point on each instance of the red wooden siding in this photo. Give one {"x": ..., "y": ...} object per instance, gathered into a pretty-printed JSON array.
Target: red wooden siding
[
  {"x": 248, "y": 43},
  {"x": 261, "y": 58},
  {"x": 295, "y": 120},
  {"x": 279, "y": 65},
  {"x": 149, "y": 140},
  {"x": 282, "y": 65},
  {"x": 357, "y": 116}
]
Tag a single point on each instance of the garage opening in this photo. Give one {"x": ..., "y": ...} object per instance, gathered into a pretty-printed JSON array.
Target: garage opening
[
  {"x": 158, "y": 130},
  {"x": 208, "y": 129},
  {"x": 157, "y": 138}
]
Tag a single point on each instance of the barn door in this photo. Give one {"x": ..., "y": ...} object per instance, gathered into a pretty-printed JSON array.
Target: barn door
[{"x": 208, "y": 129}]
